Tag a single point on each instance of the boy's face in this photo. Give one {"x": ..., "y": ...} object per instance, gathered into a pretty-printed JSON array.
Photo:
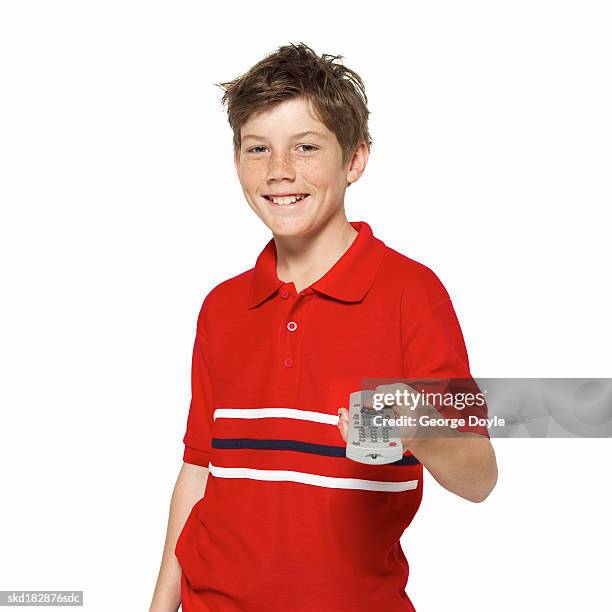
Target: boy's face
[{"x": 278, "y": 159}]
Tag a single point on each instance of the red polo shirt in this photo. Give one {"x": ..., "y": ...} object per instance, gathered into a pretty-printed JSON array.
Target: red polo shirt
[{"x": 287, "y": 522}]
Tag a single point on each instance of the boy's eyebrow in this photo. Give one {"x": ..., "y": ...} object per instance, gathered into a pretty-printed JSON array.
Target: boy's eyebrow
[{"x": 294, "y": 137}]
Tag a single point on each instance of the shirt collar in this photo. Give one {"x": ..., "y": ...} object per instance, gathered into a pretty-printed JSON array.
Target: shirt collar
[{"x": 348, "y": 280}]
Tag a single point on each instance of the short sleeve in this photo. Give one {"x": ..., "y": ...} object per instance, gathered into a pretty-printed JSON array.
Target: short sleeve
[
  {"x": 433, "y": 347},
  {"x": 197, "y": 438}
]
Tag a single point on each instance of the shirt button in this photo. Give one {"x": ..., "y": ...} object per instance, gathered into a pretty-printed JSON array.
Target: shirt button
[
  {"x": 284, "y": 294},
  {"x": 288, "y": 362},
  {"x": 292, "y": 326}
]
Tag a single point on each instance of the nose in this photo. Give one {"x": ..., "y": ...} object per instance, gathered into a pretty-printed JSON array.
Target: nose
[{"x": 280, "y": 168}]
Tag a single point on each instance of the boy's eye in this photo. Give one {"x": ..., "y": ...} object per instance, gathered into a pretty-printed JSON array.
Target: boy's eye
[{"x": 305, "y": 147}]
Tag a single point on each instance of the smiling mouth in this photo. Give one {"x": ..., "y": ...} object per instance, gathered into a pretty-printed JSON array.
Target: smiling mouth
[{"x": 287, "y": 201}]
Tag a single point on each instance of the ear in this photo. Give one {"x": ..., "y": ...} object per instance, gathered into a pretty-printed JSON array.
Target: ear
[{"x": 358, "y": 162}]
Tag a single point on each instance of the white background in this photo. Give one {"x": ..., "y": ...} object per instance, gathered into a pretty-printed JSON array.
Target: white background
[{"x": 121, "y": 209}]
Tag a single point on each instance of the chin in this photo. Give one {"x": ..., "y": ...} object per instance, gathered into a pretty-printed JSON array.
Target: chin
[{"x": 288, "y": 227}]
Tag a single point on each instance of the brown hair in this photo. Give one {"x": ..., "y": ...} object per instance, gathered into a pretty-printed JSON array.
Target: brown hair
[{"x": 336, "y": 92}]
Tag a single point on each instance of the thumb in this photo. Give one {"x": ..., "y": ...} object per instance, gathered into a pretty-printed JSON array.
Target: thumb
[{"x": 343, "y": 422}]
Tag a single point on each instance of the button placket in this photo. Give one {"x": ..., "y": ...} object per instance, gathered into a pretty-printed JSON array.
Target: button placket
[{"x": 291, "y": 340}]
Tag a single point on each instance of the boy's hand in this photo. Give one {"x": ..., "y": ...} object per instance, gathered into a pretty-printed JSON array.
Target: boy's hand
[
  {"x": 343, "y": 422},
  {"x": 408, "y": 433}
]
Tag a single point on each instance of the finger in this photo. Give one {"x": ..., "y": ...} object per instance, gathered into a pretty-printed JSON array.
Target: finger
[{"x": 343, "y": 423}]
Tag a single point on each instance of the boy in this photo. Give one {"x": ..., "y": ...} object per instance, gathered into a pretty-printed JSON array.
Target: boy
[{"x": 268, "y": 513}]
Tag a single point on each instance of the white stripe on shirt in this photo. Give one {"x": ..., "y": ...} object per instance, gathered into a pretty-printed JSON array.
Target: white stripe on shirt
[
  {"x": 286, "y": 413},
  {"x": 331, "y": 482}
]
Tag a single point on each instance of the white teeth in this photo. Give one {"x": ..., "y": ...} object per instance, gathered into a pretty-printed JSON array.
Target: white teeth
[{"x": 287, "y": 200}]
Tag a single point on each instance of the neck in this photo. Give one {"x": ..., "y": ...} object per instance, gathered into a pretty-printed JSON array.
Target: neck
[{"x": 305, "y": 259}]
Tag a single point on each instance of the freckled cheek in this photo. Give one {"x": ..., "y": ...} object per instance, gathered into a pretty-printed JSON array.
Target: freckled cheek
[
  {"x": 250, "y": 176},
  {"x": 313, "y": 173}
]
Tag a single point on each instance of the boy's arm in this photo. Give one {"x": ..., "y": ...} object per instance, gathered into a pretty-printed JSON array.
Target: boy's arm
[
  {"x": 188, "y": 490},
  {"x": 462, "y": 462}
]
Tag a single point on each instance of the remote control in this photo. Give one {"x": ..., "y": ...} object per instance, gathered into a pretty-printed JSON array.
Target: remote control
[{"x": 367, "y": 442}]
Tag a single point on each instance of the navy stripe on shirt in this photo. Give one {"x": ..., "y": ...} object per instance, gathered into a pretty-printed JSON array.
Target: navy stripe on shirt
[{"x": 295, "y": 445}]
